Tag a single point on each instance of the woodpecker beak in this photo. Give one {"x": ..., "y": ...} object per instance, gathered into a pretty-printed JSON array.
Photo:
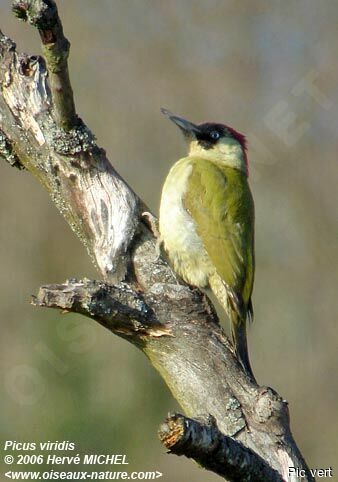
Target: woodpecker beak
[{"x": 189, "y": 129}]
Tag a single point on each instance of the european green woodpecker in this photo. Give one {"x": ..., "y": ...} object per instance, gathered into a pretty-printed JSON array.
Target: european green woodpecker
[{"x": 207, "y": 221}]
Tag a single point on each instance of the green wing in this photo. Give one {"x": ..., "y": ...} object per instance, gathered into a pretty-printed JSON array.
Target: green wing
[{"x": 220, "y": 202}]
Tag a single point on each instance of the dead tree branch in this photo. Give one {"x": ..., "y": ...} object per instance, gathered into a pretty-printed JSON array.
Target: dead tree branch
[
  {"x": 55, "y": 47},
  {"x": 213, "y": 450},
  {"x": 118, "y": 308},
  {"x": 175, "y": 326}
]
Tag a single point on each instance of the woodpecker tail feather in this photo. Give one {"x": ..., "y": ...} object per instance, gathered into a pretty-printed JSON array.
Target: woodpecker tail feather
[
  {"x": 238, "y": 314},
  {"x": 238, "y": 332}
]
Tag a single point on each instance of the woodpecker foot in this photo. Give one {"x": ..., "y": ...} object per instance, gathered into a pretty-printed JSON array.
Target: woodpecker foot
[{"x": 152, "y": 223}]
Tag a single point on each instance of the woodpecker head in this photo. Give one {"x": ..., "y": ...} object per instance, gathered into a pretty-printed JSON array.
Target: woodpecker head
[{"x": 215, "y": 142}]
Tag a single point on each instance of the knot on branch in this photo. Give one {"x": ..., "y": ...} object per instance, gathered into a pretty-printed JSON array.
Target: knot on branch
[
  {"x": 271, "y": 411},
  {"x": 29, "y": 64},
  {"x": 25, "y": 91}
]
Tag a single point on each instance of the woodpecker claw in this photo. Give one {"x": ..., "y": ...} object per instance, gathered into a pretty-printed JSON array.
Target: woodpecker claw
[{"x": 152, "y": 223}]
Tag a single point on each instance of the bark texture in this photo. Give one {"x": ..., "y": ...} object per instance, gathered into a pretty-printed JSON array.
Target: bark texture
[
  {"x": 139, "y": 297},
  {"x": 213, "y": 450}
]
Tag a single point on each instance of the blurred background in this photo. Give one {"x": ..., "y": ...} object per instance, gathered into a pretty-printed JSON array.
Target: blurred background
[{"x": 269, "y": 70}]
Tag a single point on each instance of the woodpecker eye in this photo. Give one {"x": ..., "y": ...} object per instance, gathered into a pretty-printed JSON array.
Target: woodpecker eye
[{"x": 214, "y": 135}]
